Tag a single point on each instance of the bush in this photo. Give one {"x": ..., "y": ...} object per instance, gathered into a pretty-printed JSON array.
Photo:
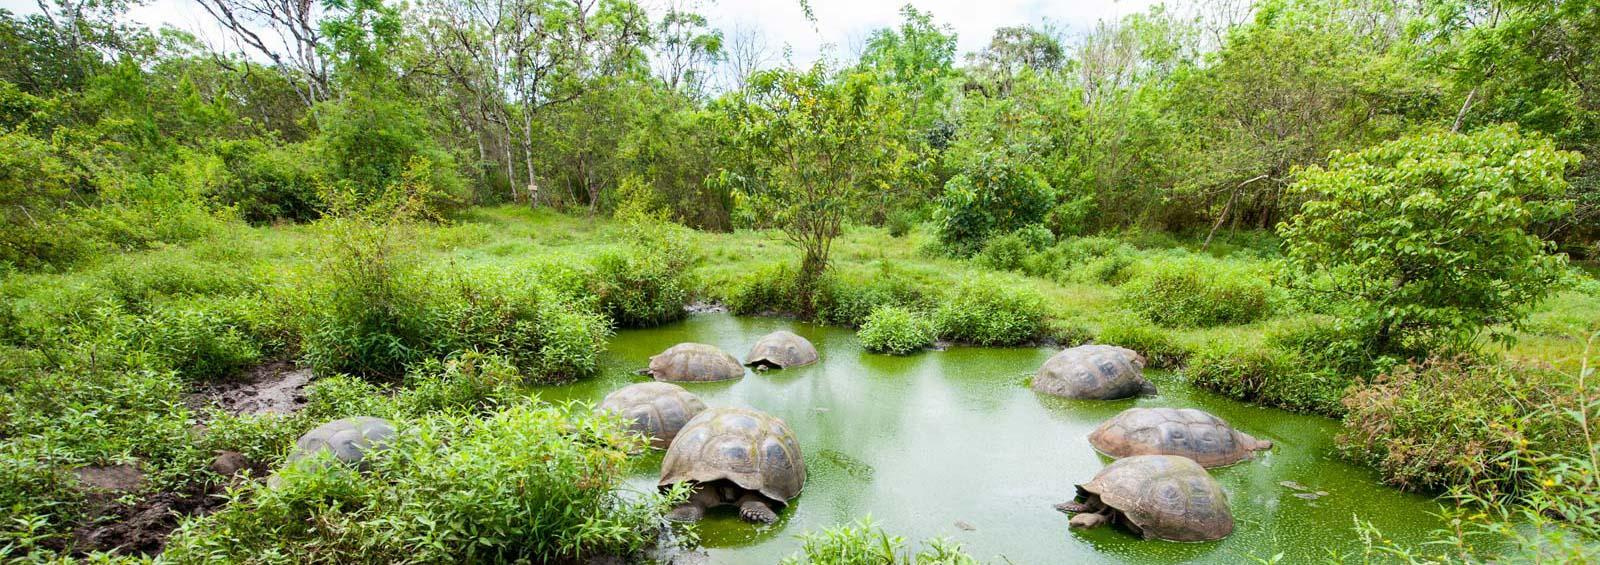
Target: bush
[
  {"x": 269, "y": 182},
  {"x": 864, "y": 543},
  {"x": 901, "y": 221},
  {"x": 990, "y": 195},
  {"x": 1196, "y": 293},
  {"x": 463, "y": 381},
  {"x": 1011, "y": 251},
  {"x": 195, "y": 341},
  {"x": 1455, "y": 423},
  {"x": 1150, "y": 341},
  {"x": 648, "y": 283},
  {"x": 529, "y": 483},
  {"x": 1391, "y": 228},
  {"x": 377, "y": 313},
  {"x": 990, "y": 311},
  {"x": 770, "y": 288},
  {"x": 1267, "y": 376},
  {"x": 895, "y": 330},
  {"x": 847, "y": 299}
]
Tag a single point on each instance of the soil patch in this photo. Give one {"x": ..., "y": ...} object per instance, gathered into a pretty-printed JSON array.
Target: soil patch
[
  {"x": 273, "y": 388},
  {"x": 115, "y": 478},
  {"x": 141, "y": 527}
]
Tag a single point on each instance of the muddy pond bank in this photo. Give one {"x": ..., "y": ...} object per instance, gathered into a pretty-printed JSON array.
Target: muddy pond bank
[{"x": 953, "y": 443}]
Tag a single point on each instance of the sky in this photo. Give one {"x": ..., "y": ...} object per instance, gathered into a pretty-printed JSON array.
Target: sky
[{"x": 841, "y": 24}]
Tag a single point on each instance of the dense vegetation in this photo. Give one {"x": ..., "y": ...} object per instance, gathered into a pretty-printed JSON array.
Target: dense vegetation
[{"x": 1380, "y": 211}]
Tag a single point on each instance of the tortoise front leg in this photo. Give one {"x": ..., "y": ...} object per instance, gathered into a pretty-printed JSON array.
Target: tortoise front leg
[
  {"x": 754, "y": 508},
  {"x": 694, "y": 509}
]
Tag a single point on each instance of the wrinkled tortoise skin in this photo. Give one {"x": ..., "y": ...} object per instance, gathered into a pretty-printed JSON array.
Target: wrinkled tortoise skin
[
  {"x": 348, "y": 439},
  {"x": 658, "y": 410},
  {"x": 1094, "y": 372},
  {"x": 781, "y": 349},
  {"x": 1168, "y": 497},
  {"x": 751, "y": 449},
  {"x": 694, "y": 362},
  {"x": 1186, "y": 432}
]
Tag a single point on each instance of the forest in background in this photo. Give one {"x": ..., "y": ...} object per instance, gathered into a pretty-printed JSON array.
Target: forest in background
[{"x": 1378, "y": 211}]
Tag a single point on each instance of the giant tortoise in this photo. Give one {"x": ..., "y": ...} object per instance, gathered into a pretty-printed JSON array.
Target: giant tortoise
[
  {"x": 1155, "y": 496},
  {"x": 694, "y": 362},
  {"x": 734, "y": 457},
  {"x": 1195, "y": 434},
  {"x": 1094, "y": 372},
  {"x": 780, "y": 350},
  {"x": 348, "y": 439},
  {"x": 658, "y": 410}
]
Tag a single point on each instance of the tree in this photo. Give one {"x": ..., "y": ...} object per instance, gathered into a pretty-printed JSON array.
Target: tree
[
  {"x": 1426, "y": 238},
  {"x": 817, "y": 143}
]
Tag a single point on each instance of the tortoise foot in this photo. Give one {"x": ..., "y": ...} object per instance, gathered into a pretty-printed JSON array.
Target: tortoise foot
[
  {"x": 686, "y": 513},
  {"x": 1086, "y": 521},
  {"x": 753, "y": 510}
]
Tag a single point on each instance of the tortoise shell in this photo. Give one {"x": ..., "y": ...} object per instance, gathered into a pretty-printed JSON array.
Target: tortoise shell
[
  {"x": 1187, "y": 432},
  {"x": 694, "y": 362},
  {"x": 348, "y": 439},
  {"x": 658, "y": 410},
  {"x": 781, "y": 349},
  {"x": 748, "y": 448},
  {"x": 1168, "y": 497},
  {"x": 1094, "y": 372}
]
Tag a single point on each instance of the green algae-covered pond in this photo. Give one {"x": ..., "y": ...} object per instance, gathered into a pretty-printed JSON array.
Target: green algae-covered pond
[{"x": 923, "y": 442}]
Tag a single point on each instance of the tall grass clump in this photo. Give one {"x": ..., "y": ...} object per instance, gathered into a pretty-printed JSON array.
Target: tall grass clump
[
  {"x": 990, "y": 311},
  {"x": 529, "y": 483},
  {"x": 895, "y": 330},
  {"x": 1196, "y": 293},
  {"x": 864, "y": 543},
  {"x": 1155, "y": 344},
  {"x": 1267, "y": 375},
  {"x": 649, "y": 282},
  {"x": 376, "y": 312},
  {"x": 770, "y": 288},
  {"x": 847, "y": 298},
  {"x": 1515, "y": 447}
]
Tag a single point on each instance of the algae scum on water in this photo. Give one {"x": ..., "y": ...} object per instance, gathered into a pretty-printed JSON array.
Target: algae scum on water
[{"x": 954, "y": 444}]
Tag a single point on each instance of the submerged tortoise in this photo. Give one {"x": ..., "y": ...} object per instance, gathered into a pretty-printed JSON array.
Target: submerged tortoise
[
  {"x": 735, "y": 457},
  {"x": 1155, "y": 496},
  {"x": 1094, "y": 372},
  {"x": 780, "y": 350},
  {"x": 658, "y": 410},
  {"x": 348, "y": 439},
  {"x": 1187, "y": 432},
  {"x": 694, "y": 362}
]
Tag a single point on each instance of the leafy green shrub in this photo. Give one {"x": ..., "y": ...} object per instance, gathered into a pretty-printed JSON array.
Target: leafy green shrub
[
  {"x": 846, "y": 299},
  {"x": 990, "y": 311},
  {"x": 196, "y": 342},
  {"x": 1267, "y": 376},
  {"x": 901, "y": 221},
  {"x": 992, "y": 194},
  {"x": 1446, "y": 424},
  {"x": 864, "y": 543},
  {"x": 37, "y": 500},
  {"x": 380, "y": 156},
  {"x": 35, "y": 184},
  {"x": 269, "y": 182},
  {"x": 1009, "y": 252},
  {"x": 1152, "y": 342},
  {"x": 648, "y": 284},
  {"x": 366, "y": 308},
  {"x": 137, "y": 281},
  {"x": 770, "y": 288},
  {"x": 1196, "y": 293},
  {"x": 1391, "y": 228},
  {"x": 466, "y": 380},
  {"x": 529, "y": 483},
  {"x": 895, "y": 330}
]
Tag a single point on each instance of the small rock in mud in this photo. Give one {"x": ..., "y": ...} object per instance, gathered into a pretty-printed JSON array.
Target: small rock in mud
[
  {"x": 122, "y": 477},
  {"x": 230, "y": 463},
  {"x": 965, "y": 526}
]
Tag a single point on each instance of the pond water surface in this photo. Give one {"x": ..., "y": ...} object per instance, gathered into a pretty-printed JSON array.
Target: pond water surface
[{"x": 926, "y": 441}]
